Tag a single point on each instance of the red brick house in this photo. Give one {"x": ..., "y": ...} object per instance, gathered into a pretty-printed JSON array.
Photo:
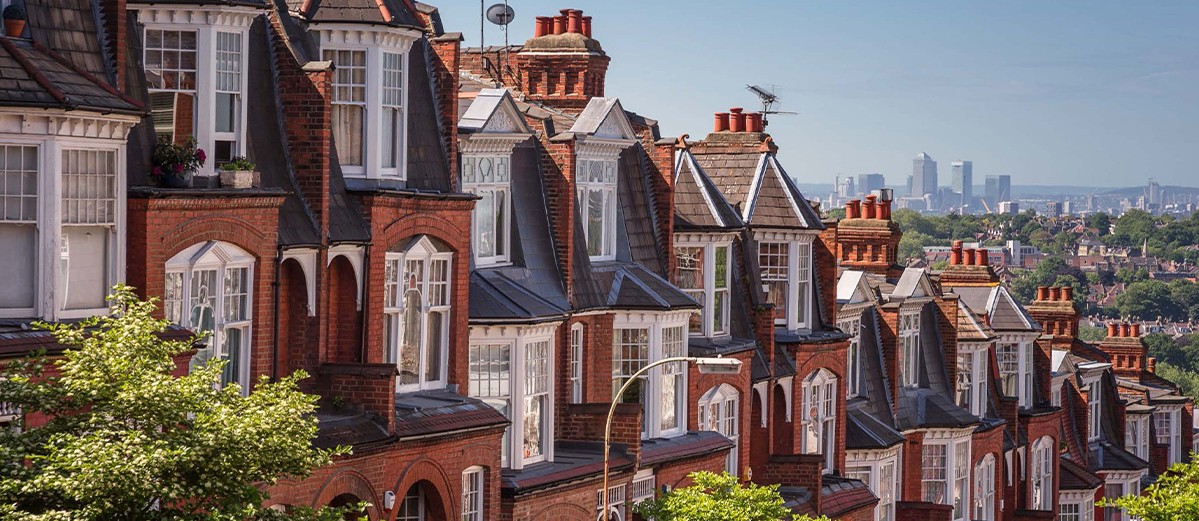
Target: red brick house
[{"x": 471, "y": 250}]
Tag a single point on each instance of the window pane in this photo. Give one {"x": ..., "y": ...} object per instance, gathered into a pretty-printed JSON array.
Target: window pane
[
  {"x": 595, "y": 222},
  {"x": 434, "y": 346},
  {"x": 18, "y": 265},
  {"x": 85, "y": 266},
  {"x": 672, "y": 378},
  {"x": 172, "y": 297},
  {"x": 773, "y": 262},
  {"x": 202, "y": 315},
  {"x": 349, "y": 104},
  {"x": 410, "y": 345},
  {"x": 537, "y": 389},
  {"x": 232, "y": 352}
]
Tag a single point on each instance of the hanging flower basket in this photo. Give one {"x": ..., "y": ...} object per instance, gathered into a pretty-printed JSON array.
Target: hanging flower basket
[{"x": 175, "y": 163}]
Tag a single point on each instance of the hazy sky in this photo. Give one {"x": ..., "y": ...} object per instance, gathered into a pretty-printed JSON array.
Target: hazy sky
[{"x": 1094, "y": 93}]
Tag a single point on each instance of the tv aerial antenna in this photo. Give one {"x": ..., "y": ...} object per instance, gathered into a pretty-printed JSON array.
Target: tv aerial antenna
[
  {"x": 501, "y": 15},
  {"x": 769, "y": 100}
]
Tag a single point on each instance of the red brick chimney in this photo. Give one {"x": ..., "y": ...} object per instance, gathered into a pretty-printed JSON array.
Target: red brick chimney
[
  {"x": 561, "y": 66},
  {"x": 1054, "y": 309},
  {"x": 867, "y": 239},
  {"x": 1127, "y": 351}
]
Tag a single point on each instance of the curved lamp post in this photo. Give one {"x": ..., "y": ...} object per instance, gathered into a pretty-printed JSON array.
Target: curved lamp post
[{"x": 706, "y": 365}]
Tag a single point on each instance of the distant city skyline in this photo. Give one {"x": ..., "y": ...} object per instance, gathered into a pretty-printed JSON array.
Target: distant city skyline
[{"x": 1069, "y": 93}]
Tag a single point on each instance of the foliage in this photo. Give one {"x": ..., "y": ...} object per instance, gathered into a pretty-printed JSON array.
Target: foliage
[
  {"x": 238, "y": 163},
  {"x": 1152, "y": 299},
  {"x": 1173, "y": 497},
  {"x": 1187, "y": 381},
  {"x": 1101, "y": 222},
  {"x": 127, "y": 439},
  {"x": 176, "y": 158},
  {"x": 1091, "y": 334},
  {"x": 719, "y": 497},
  {"x": 1051, "y": 271}
]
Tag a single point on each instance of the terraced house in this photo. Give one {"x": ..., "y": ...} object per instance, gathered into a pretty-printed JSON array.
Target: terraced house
[{"x": 473, "y": 250}]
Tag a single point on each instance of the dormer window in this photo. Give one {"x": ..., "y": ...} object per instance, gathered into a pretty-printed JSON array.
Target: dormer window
[
  {"x": 488, "y": 177},
  {"x": 703, "y": 273},
  {"x": 369, "y": 99},
  {"x": 194, "y": 72},
  {"x": 1095, "y": 411},
  {"x": 597, "y": 205},
  {"x": 909, "y": 340},
  {"x": 785, "y": 265},
  {"x": 1015, "y": 370}
]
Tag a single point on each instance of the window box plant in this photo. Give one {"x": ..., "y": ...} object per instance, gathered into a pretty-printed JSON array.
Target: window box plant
[
  {"x": 239, "y": 173},
  {"x": 14, "y": 19},
  {"x": 175, "y": 163}
]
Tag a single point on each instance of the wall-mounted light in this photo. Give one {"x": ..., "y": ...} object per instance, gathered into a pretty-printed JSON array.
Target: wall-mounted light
[{"x": 389, "y": 500}]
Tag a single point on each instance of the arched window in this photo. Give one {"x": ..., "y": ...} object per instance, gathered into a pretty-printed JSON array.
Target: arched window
[
  {"x": 819, "y": 415},
  {"x": 416, "y": 311},
  {"x": 984, "y": 489},
  {"x": 718, "y": 412},
  {"x": 413, "y": 506},
  {"x": 209, "y": 289},
  {"x": 1041, "y": 478}
]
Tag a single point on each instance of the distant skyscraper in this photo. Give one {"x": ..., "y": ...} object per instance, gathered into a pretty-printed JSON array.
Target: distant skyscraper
[
  {"x": 845, "y": 187},
  {"x": 1155, "y": 195},
  {"x": 868, "y": 183},
  {"x": 924, "y": 175},
  {"x": 963, "y": 180},
  {"x": 998, "y": 189}
]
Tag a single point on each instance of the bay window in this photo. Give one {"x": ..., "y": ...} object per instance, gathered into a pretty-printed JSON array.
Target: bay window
[
  {"x": 89, "y": 220},
  {"x": 909, "y": 339},
  {"x": 984, "y": 489},
  {"x": 971, "y": 384},
  {"x": 416, "y": 310},
  {"x": 1120, "y": 484},
  {"x": 718, "y": 412},
  {"x": 1040, "y": 488},
  {"x": 596, "y": 185},
  {"x": 662, "y": 391},
  {"x": 945, "y": 470},
  {"x": 703, "y": 273},
  {"x": 1076, "y": 506},
  {"x": 208, "y": 289},
  {"x": 1168, "y": 426},
  {"x": 853, "y": 367},
  {"x": 488, "y": 178},
  {"x": 785, "y": 265},
  {"x": 512, "y": 370},
  {"x": 369, "y": 99},
  {"x": 1136, "y": 435},
  {"x": 196, "y": 77},
  {"x": 19, "y": 229},
  {"x": 819, "y": 416},
  {"x": 1015, "y": 370},
  {"x": 879, "y": 470}
]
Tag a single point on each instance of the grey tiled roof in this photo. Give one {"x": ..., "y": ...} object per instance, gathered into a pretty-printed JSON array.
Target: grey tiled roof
[
  {"x": 32, "y": 75},
  {"x": 496, "y": 296},
  {"x": 698, "y": 204},
  {"x": 356, "y": 11},
  {"x": 864, "y": 431},
  {"x": 69, "y": 28},
  {"x": 632, "y": 286}
]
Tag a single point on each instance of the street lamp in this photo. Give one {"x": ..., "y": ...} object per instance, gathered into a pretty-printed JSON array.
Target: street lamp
[{"x": 706, "y": 365}]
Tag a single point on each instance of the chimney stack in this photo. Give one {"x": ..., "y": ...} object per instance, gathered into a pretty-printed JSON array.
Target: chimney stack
[
  {"x": 980, "y": 257},
  {"x": 868, "y": 207},
  {"x": 853, "y": 209},
  {"x": 722, "y": 122},
  {"x": 736, "y": 120}
]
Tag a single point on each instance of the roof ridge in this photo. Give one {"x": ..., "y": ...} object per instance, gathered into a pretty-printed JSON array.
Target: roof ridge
[
  {"x": 86, "y": 74},
  {"x": 35, "y": 73}
]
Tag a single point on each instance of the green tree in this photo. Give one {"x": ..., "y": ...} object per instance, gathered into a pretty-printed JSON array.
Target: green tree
[
  {"x": 719, "y": 497},
  {"x": 1091, "y": 333},
  {"x": 1146, "y": 300},
  {"x": 1101, "y": 222},
  {"x": 127, "y": 439},
  {"x": 1173, "y": 497},
  {"x": 911, "y": 245}
]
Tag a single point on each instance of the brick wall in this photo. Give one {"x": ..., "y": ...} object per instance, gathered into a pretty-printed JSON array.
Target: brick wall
[
  {"x": 371, "y": 386},
  {"x": 585, "y": 422},
  {"x": 912, "y": 451},
  {"x": 808, "y": 359},
  {"x": 699, "y": 384},
  {"x": 921, "y": 511},
  {"x": 795, "y": 470}
]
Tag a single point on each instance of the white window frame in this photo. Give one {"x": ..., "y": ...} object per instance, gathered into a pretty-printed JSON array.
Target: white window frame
[
  {"x": 643, "y": 486},
  {"x": 951, "y": 442},
  {"x": 607, "y": 186},
  {"x": 1094, "y": 410},
  {"x": 883, "y": 475},
  {"x": 1042, "y": 461},
  {"x": 418, "y": 497},
  {"x": 519, "y": 342},
  {"x": 706, "y": 295},
  {"x": 472, "y": 182},
  {"x": 984, "y": 489},
  {"x": 375, "y": 41},
  {"x": 1173, "y": 434},
  {"x": 206, "y": 23},
  {"x": 818, "y": 416},
  {"x": 719, "y": 411},
  {"x": 220, "y": 257},
  {"x": 1024, "y": 367},
  {"x": 1130, "y": 485},
  {"x": 1081, "y": 501},
  {"x": 473, "y": 489},
  {"x": 853, "y": 354},
  {"x": 576, "y": 363},
  {"x": 655, "y": 324},
  {"x": 1136, "y": 435},
  {"x": 909, "y": 340},
  {"x": 798, "y": 276},
  {"x": 973, "y": 359},
  {"x": 420, "y": 250}
]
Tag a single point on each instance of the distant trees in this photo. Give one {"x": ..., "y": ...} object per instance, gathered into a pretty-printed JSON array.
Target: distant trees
[
  {"x": 1152, "y": 299},
  {"x": 1051, "y": 271}
]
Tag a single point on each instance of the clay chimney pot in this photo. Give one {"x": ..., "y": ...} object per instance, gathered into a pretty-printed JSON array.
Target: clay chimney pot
[
  {"x": 980, "y": 257},
  {"x": 955, "y": 254},
  {"x": 574, "y": 21},
  {"x": 1043, "y": 293},
  {"x": 968, "y": 257},
  {"x": 853, "y": 209},
  {"x": 1125, "y": 330},
  {"x": 1113, "y": 330},
  {"x": 1055, "y": 294},
  {"x": 736, "y": 120},
  {"x": 868, "y": 207},
  {"x": 1136, "y": 330},
  {"x": 587, "y": 26},
  {"x": 560, "y": 24},
  {"x": 722, "y": 122},
  {"x": 884, "y": 210},
  {"x": 1151, "y": 365},
  {"x": 1068, "y": 293},
  {"x": 542, "y": 27}
]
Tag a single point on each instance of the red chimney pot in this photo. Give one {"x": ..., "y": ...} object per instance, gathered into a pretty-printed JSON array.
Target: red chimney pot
[
  {"x": 868, "y": 208},
  {"x": 853, "y": 209},
  {"x": 543, "y": 27},
  {"x": 1125, "y": 330},
  {"x": 587, "y": 26},
  {"x": 1136, "y": 330},
  {"x": 560, "y": 24},
  {"x": 1068, "y": 293},
  {"x": 1113, "y": 329},
  {"x": 574, "y": 21},
  {"x": 884, "y": 210},
  {"x": 1055, "y": 293},
  {"x": 968, "y": 257},
  {"x": 1151, "y": 365},
  {"x": 722, "y": 122},
  {"x": 980, "y": 257},
  {"x": 1042, "y": 292},
  {"x": 753, "y": 122},
  {"x": 736, "y": 120}
]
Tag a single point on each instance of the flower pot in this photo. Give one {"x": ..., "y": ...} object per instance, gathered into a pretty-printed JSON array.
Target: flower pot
[
  {"x": 173, "y": 180},
  {"x": 14, "y": 28},
  {"x": 240, "y": 179}
]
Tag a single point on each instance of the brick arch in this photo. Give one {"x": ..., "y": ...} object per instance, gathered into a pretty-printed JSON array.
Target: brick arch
[
  {"x": 428, "y": 223},
  {"x": 564, "y": 512},
  {"x": 428, "y": 471},
  {"x": 348, "y": 482},
  {"x": 242, "y": 234}
]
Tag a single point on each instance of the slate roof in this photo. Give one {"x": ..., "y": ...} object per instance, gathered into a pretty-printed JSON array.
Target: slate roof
[
  {"x": 495, "y": 296},
  {"x": 1076, "y": 477},
  {"x": 69, "y": 28},
  {"x": 33, "y": 75},
  {"x": 441, "y": 411},
  {"x": 1000, "y": 309},
  {"x": 921, "y": 408},
  {"x": 403, "y": 12},
  {"x": 864, "y": 431},
  {"x": 1105, "y": 456},
  {"x": 840, "y": 495},
  {"x": 694, "y": 443},
  {"x": 971, "y": 329},
  {"x": 698, "y": 204},
  {"x": 632, "y": 286},
  {"x": 573, "y": 460},
  {"x": 756, "y": 185},
  {"x": 353, "y": 430}
]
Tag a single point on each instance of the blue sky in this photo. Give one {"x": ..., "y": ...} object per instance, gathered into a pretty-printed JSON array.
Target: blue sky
[{"x": 1094, "y": 93}]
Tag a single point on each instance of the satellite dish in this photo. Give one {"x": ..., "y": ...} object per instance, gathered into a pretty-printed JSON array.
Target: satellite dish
[{"x": 500, "y": 14}]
